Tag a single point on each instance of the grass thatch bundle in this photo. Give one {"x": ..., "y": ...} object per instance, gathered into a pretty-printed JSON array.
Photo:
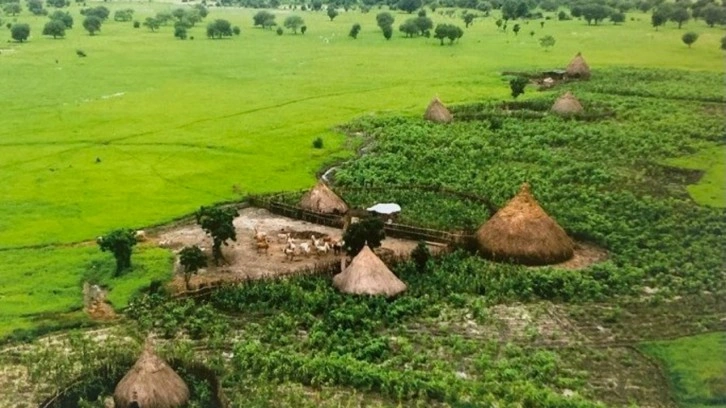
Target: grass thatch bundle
[
  {"x": 151, "y": 383},
  {"x": 368, "y": 275},
  {"x": 322, "y": 199},
  {"x": 578, "y": 68},
  {"x": 522, "y": 232},
  {"x": 567, "y": 104},
  {"x": 437, "y": 112}
]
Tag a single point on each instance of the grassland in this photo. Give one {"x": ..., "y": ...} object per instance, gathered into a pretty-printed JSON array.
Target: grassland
[
  {"x": 177, "y": 124},
  {"x": 711, "y": 188},
  {"x": 696, "y": 367}
]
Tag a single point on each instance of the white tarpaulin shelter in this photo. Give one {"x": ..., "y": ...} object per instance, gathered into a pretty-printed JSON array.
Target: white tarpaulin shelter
[{"x": 385, "y": 208}]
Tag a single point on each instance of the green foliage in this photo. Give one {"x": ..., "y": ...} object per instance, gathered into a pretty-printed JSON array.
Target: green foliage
[
  {"x": 659, "y": 17},
  {"x": 354, "y": 30},
  {"x": 12, "y": 9},
  {"x": 20, "y": 32},
  {"x": 450, "y": 31},
  {"x": 368, "y": 231},
  {"x": 468, "y": 18},
  {"x": 153, "y": 24},
  {"x": 56, "y": 28},
  {"x": 596, "y": 13},
  {"x": 264, "y": 19},
  {"x": 723, "y": 42},
  {"x": 713, "y": 14},
  {"x": 384, "y": 19},
  {"x": 180, "y": 32},
  {"x": 516, "y": 29},
  {"x": 92, "y": 24},
  {"x": 420, "y": 256},
  {"x": 64, "y": 17},
  {"x": 409, "y": 28},
  {"x": 279, "y": 31},
  {"x": 318, "y": 143},
  {"x": 101, "y": 12},
  {"x": 680, "y": 15},
  {"x": 219, "y": 28},
  {"x": 547, "y": 42},
  {"x": 303, "y": 29},
  {"x": 36, "y": 7},
  {"x": 409, "y": 6},
  {"x": 332, "y": 12},
  {"x": 387, "y": 32},
  {"x": 517, "y": 85},
  {"x": 293, "y": 22},
  {"x": 236, "y": 30},
  {"x": 689, "y": 38},
  {"x": 617, "y": 17},
  {"x": 218, "y": 223},
  {"x": 120, "y": 243},
  {"x": 123, "y": 15}
]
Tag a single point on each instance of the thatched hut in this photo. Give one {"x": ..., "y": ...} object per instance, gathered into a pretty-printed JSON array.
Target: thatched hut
[
  {"x": 151, "y": 383},
  {"x": 567, "y": 104},
  {"x": 368, "y": 275},
  {"x": 437, "y": 112},
  {"x": 522, "y": 232},
  {"x": 322, "y": 199},
  {"x": 578, "y": 68}
]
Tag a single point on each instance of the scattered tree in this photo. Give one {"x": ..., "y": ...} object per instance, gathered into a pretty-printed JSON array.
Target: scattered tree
[
  {"x": 354, "y": 31},
  {"x": 409, "y": 28},
  {"x": 387, "y": 32},
  {"x": 294, "y": 22},
  {"x": 516, "y": 29},
  {"x": 420, "y": 256},
  {"x": 12, "y": 9},
  {"x": 368, "y": 230},
  {"x": 123, "y": 15},
  {"x": 92, "y": 24},
  {"x": 101, "y": 12},
  {"x": 723, "y": 42},
  {"x": 617, "y": 17},
  {"x": 279, "y": 31},
  {"x": 219, "y": 28},
  {"x": 409, "y": 6},
  {"x": 468, "y": 18},
  {"x": 424, "y": 25},
  {"x": 384, "y": 19},
  {"x": 595, "y": 13},
  {"x": 499, "y": 23},
  {"x": 56, "y": 28},
  {"x": 201, "y": 10},
  {"x": 153, "y": 24},
  {"x": 303, "y": 29},
  {"x": 680, "y": 15},
  {"x": 316, "y": 5},
  {"x": 36, "y": 7},
  {"x": 218, "y": 223},
  {"x": 64, "y": 17},
  {"x": 264, "y": 19},
  {"x": 713, "y": 14},
  {"x": 658, "y": 18},
  {"x": 57, "y": 3},
  {"x": 180, "y": 32},
  {"x": 517, "y": 85},
  {"x": 20, "y": 32},
  {"x": 236, "y": 30},
  {"x": 191, "y": 259},
  {"x": 137, "y": 24},
  {"x": 547, "y": 41},
  {"x": 449, "y": 31},
  {"x": 120, "y": 243},
  {"x": 689, "y": 38},
  {"x": 332, "y": 12}
]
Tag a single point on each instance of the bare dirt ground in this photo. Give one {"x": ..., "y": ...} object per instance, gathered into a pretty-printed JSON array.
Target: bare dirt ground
[
  {"x": 585, "y": 255},
  {"x": 245, "y": 262}
]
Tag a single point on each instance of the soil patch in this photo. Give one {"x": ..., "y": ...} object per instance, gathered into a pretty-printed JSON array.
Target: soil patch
[{"x": 586, "y": 254}]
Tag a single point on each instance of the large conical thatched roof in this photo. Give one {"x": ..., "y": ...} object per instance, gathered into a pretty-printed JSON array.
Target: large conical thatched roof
[
  {"x": 322, "y": 199},
  {"x": 567, "y": 104},
  {"x": 437, "y": 112},
  {"x": 578, "y": 68},
  {"x": 522, "y": 232},
  {"x": 368, "y": 275},
  {"x": 151, "y": 383}
]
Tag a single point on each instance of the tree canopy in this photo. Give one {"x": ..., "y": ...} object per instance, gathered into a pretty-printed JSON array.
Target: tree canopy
[
  {"x": 120, "y": 243},
  {"x": 368, "y": 230},
  {"x": 56, "y": 28},
  {"x": 264, "y": 19},
  {"x": 218, "y": 223},
  {"x": 294, "y": 22},
  {"x": 20, "y": 32},
  {"x": 689, "y": 38},
  {"x": 450, "y": 31},
  {"x": 64, "y": 17},
  {"x": 219, "y": 28}
]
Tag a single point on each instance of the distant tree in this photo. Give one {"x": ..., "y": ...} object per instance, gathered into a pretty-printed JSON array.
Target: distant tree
[
  {"x": 180, "y": 32},
  {"x": 658, "y": 18},
  {"x": 56, "y": 3},
  {"x": 680, "y": 15},
  {"x": 101, "y": 12},
  {"x": 219, "y": 28},
  {"x": 218, "y": 223},
  {"x": 420, "y": 256},
  {"x": 191, "y": 259},
  {"x": 547, "y": 41},
  {"x": 689, "y": 38},
  {"x": 532, "y": 33},
  {"x": 617, "y": 17},
  {"x": 332, "y": 12},
  {"x": 293, "y": 22},
  {"x": 20, "y": 32},
  {"x": 409, "y": 28},
  {"x": 517, "y": 85},
  {"x": 236, "y": 30},
  {"x": 562, "y": 16},
  {"x": 354, "y": 31},
  {"x": 303, "y": 29},
  {"x": 424, "y": 24},
  {"x": 499, "y": 23},
  {"x": 387, "y": 32},
  {"x": 120, "y": 243},
  {"x": 36, "y": 7},
  {"x": 549, "y": 5},
  {"x": 63, "y": 17},
  {"x": 56, "y": 28},
  {"x": 264, "y": 19},
  {"x": 163, "y": 17},
  {"x": 12, "y": 9},
  {"x": 468, "y": 18},
  {"x": 516, "y": 29},
  {"x": 152, "y": 23},
  {"x": 409, "y": 6},
  {"x": 366, "y": 231},
  {"x": 123, "y": 15},
  {"x": 137, "y": 24},
  {"x": 450, "y": 31},
  {"x": 713, "y": 14},
  {"x": 279, "y": 31},
  {"x": 723, "y": 42},
  {"x": 514, "y": 9},
  {"x": 92, "y": 24},
  {"x": 384, "y": 19},
  {"x": 316, "y": 5},
  {"x": 595, "y": 13},
  {"x": 203, "y": 12}
]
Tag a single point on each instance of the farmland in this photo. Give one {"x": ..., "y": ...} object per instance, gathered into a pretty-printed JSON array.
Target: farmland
[{"x": 146, "y": 128}]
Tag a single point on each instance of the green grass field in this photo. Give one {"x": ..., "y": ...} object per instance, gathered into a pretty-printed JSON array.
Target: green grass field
[
  {"x": 711, "y": 189},
  {"x": 696, "y": 367},
  {"x": 178, "y": 124}
]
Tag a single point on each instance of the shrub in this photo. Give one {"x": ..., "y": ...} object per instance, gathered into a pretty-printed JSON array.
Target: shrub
[
  {"x": 137, "y": 24},
  {"x": 318, "y": 143},
  {"x": 279, "y": 31}
]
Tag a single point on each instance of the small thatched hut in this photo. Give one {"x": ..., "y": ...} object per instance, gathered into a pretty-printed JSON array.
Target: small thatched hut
[
  {"x": 567, "y": 104},
  {"x": 151, "y": 383},
  {"x": 322, "y": 199},
  {"x": 522, "y": 232},
  {"x": 578, "y": 68},
  {"x": 437, "y": 112},
  {"x": 368, "y": 275}
]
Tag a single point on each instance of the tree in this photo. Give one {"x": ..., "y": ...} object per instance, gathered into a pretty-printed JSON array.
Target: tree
[
  {"x": 92, "y": 24},
  {"x": 36, "y": 7},
  {"x": 264, "y": 19},
  {"x": 354, "y": 31},
  {"x": 424, "y": 25},
  {"x": 713, "y": 14},
  {"x": 317, "y": 5},
  {"x": 680, "y": 15},
  {"x": 617, "y": 17},
  {"x": 219, "y": 28},
  {"x": 409, "y": 28},
  {"x": 236, "y": 30},
  {"x": 595, "y": 12},
  {"x": 12, "y": 9},
  {"x": 153, "y": 24},
  {"x": 517, "y": 85},
  {"x": 101, "y": 12},
  {"x": 468, "y": 18},
  {"x": 658, "y": 18},
  {"x": 56, "y": 28},
  {"x": 547, "y": 41},
  {"x": 279, "y": 31},
  {"x": 499, "y": 23},
  {"x": 303, "y": 29},
  {"x": 387, "y": 32},
  {"x": 191, "y": 259},
  {"x": 180, "y": 32},
  {"x": 20, "y": 32},
  {"x": 516, "y": 29},
  {"x": 409, "y": 6},
  {"x": 164, "y": 17},
  {"x": 723, "y": 42},
  {"x": 549, "y": 5},
  {"x": 120, "y": 243},
  {"x": 64, "y": 17},
  {"x": 384, "y": 19},
  {"x": 420, "y": 256},
  {"x": 332, "y": 12},
  {"x": 449, "y": 31},
  {"x": 201, "y": 10},
  {"x": 689, "y": 38},
  {"x": 366, "y": 231},
  {"x": 293, "y": 22},
  {"x": 56, "y": 3},
  {"x": 218, "y": 223}
]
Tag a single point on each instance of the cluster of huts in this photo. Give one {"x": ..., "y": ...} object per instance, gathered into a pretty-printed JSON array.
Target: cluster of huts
[{"x": 565, "y": 105}]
